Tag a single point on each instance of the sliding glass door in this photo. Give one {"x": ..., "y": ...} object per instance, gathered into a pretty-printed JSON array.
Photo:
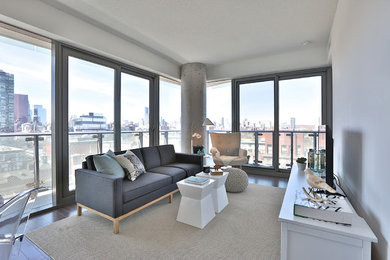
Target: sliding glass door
[
  {"x": 257, "y": 121},
  {"x": 134, "y": 111},
  {"x": 90, "y": 111},
  {"x": 299, "y": 118},
  {"x": 280, "y": 116}
]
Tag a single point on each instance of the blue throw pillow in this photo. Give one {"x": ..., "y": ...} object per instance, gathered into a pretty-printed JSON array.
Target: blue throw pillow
[{"x": 108, "y": 165}]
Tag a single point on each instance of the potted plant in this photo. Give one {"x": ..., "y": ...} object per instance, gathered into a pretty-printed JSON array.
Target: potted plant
[{"x": 301, "y": 162}]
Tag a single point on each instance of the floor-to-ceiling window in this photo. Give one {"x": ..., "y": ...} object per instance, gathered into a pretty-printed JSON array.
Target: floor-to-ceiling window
[
  {"x": 219, "y": 107},
  {"x": 25, "y": 114},
  {"x": 90, "y": 111},
  {"x": 134, "y": 111},
  {"x": 257, "y": 121},
  {"x": 280, "y": 116},
  {"x": 299, "y": 118},
  {"x": 170, "y": 113}
]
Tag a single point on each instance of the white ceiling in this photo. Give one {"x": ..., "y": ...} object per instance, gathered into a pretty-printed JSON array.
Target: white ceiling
[{"x": 213, "y": 32}]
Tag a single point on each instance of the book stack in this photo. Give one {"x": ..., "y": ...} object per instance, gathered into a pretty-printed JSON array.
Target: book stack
[
  {"x": 196, "y": 180},
  {"x": 335, "y": 209}
]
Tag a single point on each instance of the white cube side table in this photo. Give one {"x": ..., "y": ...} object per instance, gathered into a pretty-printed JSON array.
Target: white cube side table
[
  {"x": 220, "y": 198},
  {"x": 196, "y": 204}
]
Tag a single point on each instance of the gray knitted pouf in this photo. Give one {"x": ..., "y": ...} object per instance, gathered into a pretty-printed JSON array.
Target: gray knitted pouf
[{"x": 237, "y": 180}]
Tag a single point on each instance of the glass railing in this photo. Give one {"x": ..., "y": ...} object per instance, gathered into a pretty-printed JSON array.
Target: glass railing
[
  {"x": 171, "y": 137},
  {"x": 26, "y": 158},
  {"x": 25, "y": 162},
  {"x": 292, "y": 144}
]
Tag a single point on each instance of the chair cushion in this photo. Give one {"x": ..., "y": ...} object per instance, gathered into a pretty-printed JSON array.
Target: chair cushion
[
  {"x": 176, "y": 173},
  {"x": 146, "y": 183},
  {"x": 190, "y": 168},
  {"x": 230, "y": 160},
  {"x": 151, "y": 157},
  {"x": 108, "y": 165},
  {"x": 167, "y": 154}
]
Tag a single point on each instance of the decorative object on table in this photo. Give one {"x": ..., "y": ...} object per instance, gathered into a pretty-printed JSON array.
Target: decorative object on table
[
  {"x": 317, "y": 161},
  {"x": 226, "y": 149},
  {"x": 216, "y": 170},
  {"x": 217, "y": 167},
  {"x": 316, "y": 183},
  {"x": 301, "y": 162},
  {"x": 196, "y": 180},
  {"x": 237, "y": 180},
  {"x": 206, "y": 168},
  {"x": 333, "y": 208}
]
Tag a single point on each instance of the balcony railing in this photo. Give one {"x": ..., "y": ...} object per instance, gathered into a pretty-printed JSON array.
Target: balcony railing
[
  {"x": 292, "y": 144},
  {"x": 25, "y": 158}
]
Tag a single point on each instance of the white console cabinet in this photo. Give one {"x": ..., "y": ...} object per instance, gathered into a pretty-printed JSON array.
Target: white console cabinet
[{"x": 304, "y": 238}]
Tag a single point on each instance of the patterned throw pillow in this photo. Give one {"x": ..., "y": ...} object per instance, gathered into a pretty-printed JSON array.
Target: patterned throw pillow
[
  {"x": 138, "y": 166},
  {"x": 127, "y": 166}
]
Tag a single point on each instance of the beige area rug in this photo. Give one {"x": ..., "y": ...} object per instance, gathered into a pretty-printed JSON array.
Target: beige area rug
[{"x": 247, "y": 228}]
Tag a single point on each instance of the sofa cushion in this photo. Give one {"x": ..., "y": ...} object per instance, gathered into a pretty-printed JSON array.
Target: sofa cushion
[
  {"x": 167, "y": 154},
  {"x": 139, "y": 154},
  {"x": 176, "y": 173},
  {"x": 151, "y": 157},
  {"x": 190, "y": 168},
  {"x": 144, "y": 184},
  {"x": 108, "y": 165}
]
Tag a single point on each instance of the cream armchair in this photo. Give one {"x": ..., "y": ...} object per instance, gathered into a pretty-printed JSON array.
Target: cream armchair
[{"x": 226, "y": 149}]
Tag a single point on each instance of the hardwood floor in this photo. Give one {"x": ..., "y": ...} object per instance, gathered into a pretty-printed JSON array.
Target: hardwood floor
[{"x": 30, "y": 251}]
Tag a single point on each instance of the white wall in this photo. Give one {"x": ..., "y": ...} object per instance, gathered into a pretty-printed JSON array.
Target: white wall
[
  {"x": 360, "y": 51},
  {"x": 46, "y": 20}
]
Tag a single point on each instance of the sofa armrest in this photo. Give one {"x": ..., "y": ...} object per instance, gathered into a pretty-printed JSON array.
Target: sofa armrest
[
  {"x": 190, "y": 158},
  {"x": 242, "y": 153},
  {"x": 98, "y": 191}
]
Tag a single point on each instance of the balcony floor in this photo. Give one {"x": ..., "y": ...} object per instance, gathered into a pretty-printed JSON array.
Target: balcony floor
[{"x": 30, "y": 251}]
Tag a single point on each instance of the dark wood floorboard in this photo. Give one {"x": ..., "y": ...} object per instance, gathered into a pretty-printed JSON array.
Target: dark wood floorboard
[{"x": 30, "y": 251}]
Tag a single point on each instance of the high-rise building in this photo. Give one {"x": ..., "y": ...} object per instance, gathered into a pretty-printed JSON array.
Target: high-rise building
[
  {"x": 6, "y": 102},
  {"x": 146, "y": 117},
  {"x": 292, "y": 122},
  {"x": 21, "y": 109},
  {"x": 40, "y": 114},
  {"x": 90, "y": 122}
]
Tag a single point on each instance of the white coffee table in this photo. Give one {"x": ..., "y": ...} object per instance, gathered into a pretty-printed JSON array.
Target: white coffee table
[
  {"x": 196, "y": 204},
  {"x": 220, "y": 198}
]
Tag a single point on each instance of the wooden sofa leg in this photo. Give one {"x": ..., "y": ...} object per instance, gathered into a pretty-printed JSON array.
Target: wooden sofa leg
[
  {"x": 79, "y": 210},
  {"x": 170, "y": 198},
  {"x": 116, "y": 226}
]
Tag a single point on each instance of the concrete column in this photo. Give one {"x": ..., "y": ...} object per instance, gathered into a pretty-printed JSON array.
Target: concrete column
[{"x": 193, "y": 104}]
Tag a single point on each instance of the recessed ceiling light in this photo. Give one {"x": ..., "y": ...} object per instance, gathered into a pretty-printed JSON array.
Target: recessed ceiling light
[{"x": 305, "y": 43}]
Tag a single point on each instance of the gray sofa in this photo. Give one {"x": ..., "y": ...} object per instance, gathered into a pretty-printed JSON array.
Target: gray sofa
[{"x": 116, "y": 198}]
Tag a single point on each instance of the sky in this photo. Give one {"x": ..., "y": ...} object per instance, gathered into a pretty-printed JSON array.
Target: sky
[
  {"x": 299, "y": 98},
  {"x": 31, "y": 66},
  {"x": 91, "y": 89}
]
